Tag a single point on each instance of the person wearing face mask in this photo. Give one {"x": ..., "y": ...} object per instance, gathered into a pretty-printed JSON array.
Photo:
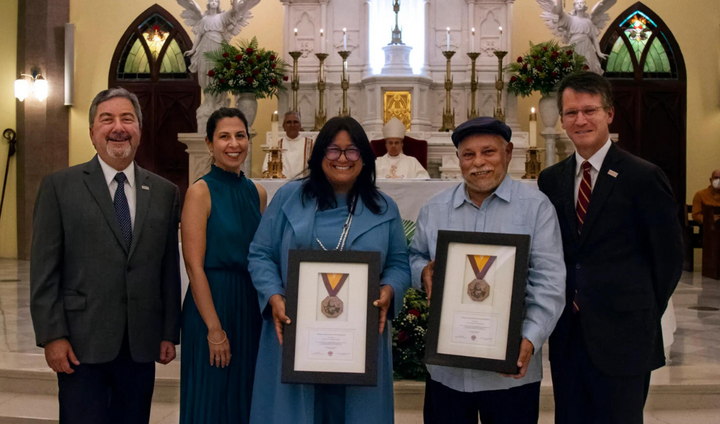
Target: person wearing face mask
[
  {"x": 336, "y": 207},
  {"x": 221, "y": 319},
  {"x": 297, "y": 149},
  {"x": 395, "y": 164},
  {"x": 708, "y": 196},
  {"x": 104, "y": 273},
  {"x": 488, "y": 200}
]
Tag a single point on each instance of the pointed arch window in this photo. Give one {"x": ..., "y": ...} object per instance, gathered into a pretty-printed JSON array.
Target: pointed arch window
[
  {"x": 153, "y": 51},
  {"x": 640, "y": 48}
]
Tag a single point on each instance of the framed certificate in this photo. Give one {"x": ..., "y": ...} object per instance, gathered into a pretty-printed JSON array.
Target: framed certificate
[
  {"x": 478, "y": 300},
  {"x": 333, "y": 335}
]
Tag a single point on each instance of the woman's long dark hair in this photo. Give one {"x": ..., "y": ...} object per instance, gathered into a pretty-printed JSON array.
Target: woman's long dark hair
[{"x": 316, "y": 184}]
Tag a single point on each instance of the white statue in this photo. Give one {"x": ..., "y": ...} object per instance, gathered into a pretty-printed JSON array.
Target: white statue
[
  {"x": 210, "y": 29},
  {"x": 579, "y": 28}
]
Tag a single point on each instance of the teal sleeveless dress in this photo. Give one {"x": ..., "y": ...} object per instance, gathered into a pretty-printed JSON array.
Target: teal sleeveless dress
[{"x": 208, "y": 394}]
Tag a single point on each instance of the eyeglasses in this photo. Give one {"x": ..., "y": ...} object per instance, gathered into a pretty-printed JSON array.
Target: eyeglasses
[
  {"x": 333, "y": 153},
  {"x": 588, "y": 112}
]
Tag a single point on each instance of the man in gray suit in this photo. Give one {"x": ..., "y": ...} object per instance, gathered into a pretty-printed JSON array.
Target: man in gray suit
[{"x": 104, "y": 275}]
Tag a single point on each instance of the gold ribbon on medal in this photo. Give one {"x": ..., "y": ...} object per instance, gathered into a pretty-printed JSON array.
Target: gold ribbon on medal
[
  {"x": 332, "y": 306},
  {"x": 479, "y": 289}
]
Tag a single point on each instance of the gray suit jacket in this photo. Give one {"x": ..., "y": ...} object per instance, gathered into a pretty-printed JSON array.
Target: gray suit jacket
[{"x": 86, "y": 285}]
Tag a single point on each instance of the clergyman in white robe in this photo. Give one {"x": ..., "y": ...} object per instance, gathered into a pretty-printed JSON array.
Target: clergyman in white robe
[{"x": 396, "y": 164}]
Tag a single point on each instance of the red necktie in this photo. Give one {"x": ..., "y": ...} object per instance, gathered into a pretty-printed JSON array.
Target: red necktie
[{"x": 581, "y": 208}]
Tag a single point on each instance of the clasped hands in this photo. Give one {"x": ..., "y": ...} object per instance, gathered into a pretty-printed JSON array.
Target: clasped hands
[
  {"x": 526, "y": 347},
  {"x": 277, "y": 303}
]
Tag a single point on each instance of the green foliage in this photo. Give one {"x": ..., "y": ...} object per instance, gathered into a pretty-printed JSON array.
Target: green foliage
[
  {"x": 543, "y": 67},
  {"x": 409, "y": 329},
  {"x": 245, "y": 68}
]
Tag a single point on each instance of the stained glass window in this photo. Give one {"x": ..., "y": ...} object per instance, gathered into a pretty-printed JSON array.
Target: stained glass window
[{"x": 644, "y": 38}]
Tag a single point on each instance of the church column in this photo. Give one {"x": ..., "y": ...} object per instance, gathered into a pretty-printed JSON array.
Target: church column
[
  {"x": 42, "y": 127},
  {"x": 429, "y": 37}
]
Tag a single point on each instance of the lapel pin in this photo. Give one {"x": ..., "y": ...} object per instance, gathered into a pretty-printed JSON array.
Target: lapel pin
[
  {"x": 144, "y": 187},
  {"x": 612, "y": 173}
]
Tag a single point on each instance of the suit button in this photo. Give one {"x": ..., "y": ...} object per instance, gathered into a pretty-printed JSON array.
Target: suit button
[
  {"x": 124, "y": 299},
  {"x": 577, "y": 266}
]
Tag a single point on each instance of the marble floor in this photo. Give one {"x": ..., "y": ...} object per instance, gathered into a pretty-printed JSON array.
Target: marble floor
[{"x": 695, "y": 353}]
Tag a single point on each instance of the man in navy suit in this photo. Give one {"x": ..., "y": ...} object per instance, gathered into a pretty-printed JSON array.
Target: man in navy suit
[{"x": 622, "y": 244}]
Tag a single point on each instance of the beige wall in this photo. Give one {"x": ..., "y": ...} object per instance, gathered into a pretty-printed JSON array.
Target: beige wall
[
  {"x": 8, "y": 64},
  {"x": 696, "y": 27},
  {"x": 95, "y": 42}
]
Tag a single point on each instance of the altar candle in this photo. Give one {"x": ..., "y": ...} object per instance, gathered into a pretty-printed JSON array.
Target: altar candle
[
  {"x": 448, "y": 39},
  {"x": 472, "y": 41},
  {"x": 533, "y": 128},
  {"x": 274, "y": 122},
  {"x": 295, "y": 32},
  {"x": 500, "y": 30},
  {"x": 345, "y": 39},
  {"x": 322, "y": 41}
]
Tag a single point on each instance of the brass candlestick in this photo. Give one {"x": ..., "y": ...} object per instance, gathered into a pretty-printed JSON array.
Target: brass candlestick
[
  {"x": 472, "y": 113},
  {"x": 499, "y": 85},
  {"x": 295, "y": 84},
  {"x": 275, "y": 164},
  {"x": 532, "y": 165},
  {"x": 321, "y": 112},
  {"x": 448, "y": 123},
  {"x": 344, "y": 84}
]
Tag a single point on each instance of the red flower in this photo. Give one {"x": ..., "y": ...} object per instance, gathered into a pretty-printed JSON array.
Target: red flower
[
  {"x": 402, "y": 337},
  {"x": 529, "y": 80},
  {"x": 272, "y": 66},
  {"x": 513, "y": 79},
  {"x": 257, "y": 57},
  {"x": 565, "y": 65},
  {"x": 414, "y": 312},
  {"x": 238, "y": 57},
  {"x": 238, "y": 72},
  {"x": 272, "y": 57},
  {"x": 249, "y": 50},
  {"x": 544, "y": 48},
  {"x": 519, "y": 59},
  {"x": 554, "y": 55},
  {"x": 211, "y": 73},
  {"x": 256, "y": 71},
  {"x": 539, "y": 68},
  {"x": 222, "y": 80},
  {"x": 273, "y": 81},
  {"x": 250, "y": 62},
  {"x": 228, "y": 66},
  {"x": 285, "y": 78},
  {"x": 249, "y": 80},
  {"x": 536, "y": 57},
  {"x": 226, "y": 55},
  {"x": 586, "y": 67},
  {"x": 569, "y": 52},
  {"x": 525, "y": 66},
  {"x": 554, "y": 74}
]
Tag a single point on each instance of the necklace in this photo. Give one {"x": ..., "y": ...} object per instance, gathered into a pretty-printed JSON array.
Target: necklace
[{"x": 346, "y": 228}]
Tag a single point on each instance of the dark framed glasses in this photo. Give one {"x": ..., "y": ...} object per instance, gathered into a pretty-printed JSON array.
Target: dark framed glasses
[{"x": 351, "y": 153}]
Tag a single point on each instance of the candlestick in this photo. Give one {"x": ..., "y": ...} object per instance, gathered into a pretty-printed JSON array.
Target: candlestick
[
  {"x": 344, "y": 84},
  {"x": 448, "y": 39},
  {"x": 472, "y": 113},
  {"x": 274, "y": 123},
  {"x": 344, "y": 39},
  {"x": 499, "y": 85},
  {"x": 500, "y": 30},
  {"x": 472, "y": 42},
  {"x": 295, "y": 83},
  {"x": 448, "y": 114},
  {"x": 533, "y": 128},
  {"x": 275, "y": 163},
  {"x": 532, "y": 165},
  {"x": 321, "y": 112},
  {"x": 322, "y": 41}
]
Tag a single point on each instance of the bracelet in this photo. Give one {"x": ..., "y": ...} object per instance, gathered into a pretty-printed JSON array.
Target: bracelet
[{"x": 220, "y": 342}]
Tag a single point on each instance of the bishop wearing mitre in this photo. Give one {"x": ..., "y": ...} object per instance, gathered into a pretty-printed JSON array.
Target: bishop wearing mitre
[{"x": 396, "y": 164}]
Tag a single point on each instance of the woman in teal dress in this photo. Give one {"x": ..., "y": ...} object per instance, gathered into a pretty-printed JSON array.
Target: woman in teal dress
[
  {"x": 221, "y": 319},
  {"x": 314, "y": 213}
]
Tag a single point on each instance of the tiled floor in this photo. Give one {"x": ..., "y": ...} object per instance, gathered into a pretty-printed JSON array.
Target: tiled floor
[{"x": 695, "y": 353}]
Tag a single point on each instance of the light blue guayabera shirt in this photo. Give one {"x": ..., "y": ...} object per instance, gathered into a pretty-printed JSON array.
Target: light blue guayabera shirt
[{"x": 514, "y": 208}]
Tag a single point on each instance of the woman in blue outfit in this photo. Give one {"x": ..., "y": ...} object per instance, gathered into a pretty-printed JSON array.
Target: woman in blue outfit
[
  {"x": 221, "y": 319},
  {"x": 336, "y": 207}
]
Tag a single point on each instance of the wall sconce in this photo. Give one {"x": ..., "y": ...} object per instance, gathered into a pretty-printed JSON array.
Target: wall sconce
[{"x": 36, "y": 85}]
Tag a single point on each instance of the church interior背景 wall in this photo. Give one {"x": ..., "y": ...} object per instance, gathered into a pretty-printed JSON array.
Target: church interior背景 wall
[{"x": 8, "y": 74}]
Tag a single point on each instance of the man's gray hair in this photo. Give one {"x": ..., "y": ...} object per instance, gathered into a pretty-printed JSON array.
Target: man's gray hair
[
  {"x": 113, "y": 93},
  {"x": 292, "y": 112}
]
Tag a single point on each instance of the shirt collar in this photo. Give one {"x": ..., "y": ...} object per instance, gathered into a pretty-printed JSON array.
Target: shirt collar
[
  {"x": 503, "y": 191},
  {"x": 110, "y": 172},
  {"x": 596, "y": 160}
]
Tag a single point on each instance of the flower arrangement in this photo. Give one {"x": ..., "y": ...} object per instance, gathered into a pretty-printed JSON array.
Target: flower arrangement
[
  {"x": 543, "y": 67},
  {"x": 245, "y": 68},
  {"x": 409, "y": 329}
]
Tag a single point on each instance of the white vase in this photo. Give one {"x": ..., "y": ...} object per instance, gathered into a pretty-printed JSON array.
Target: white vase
[
  {"x": 548, "y": 110},
  {"x": 248, "y": 104}
]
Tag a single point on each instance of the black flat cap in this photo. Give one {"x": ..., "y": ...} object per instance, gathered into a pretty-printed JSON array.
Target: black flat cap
[{"x": 481, "y": 125}]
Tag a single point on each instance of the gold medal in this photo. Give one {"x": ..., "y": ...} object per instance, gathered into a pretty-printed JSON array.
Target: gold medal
[{"x": 332, "y": 306}]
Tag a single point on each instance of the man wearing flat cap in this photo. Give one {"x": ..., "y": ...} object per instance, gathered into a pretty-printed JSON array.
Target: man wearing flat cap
[
  {"x": 395, "y": 163},
  {"x": 488, "y": 200}
]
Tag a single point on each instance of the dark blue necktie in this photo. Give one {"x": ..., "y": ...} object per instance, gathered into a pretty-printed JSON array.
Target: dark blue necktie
[{"x": 122, "y": 210}]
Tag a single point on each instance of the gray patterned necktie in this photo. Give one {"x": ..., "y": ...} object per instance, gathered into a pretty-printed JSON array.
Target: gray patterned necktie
[{"x": 122, "y": 210}]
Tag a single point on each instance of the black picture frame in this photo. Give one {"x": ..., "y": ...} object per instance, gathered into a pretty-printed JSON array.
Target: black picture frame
[
  {"x": 369, "y": 377},
  {"x": 517, "y": 303}
]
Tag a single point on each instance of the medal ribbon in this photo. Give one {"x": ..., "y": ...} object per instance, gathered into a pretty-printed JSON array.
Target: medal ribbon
[
  {"x": 333, "y": 282},
  {"x": 481, "y": 264}
]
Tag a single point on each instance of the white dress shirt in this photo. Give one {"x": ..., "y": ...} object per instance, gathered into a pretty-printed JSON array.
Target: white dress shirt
[
  {"x": 596, "y": 161},
  {"x": 130, "y": 194}
]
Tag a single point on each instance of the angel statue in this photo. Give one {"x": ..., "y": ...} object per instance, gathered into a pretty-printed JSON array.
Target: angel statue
[
  {"x": 579, "y": 28},
  {"x": 210, "y": 29}
]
